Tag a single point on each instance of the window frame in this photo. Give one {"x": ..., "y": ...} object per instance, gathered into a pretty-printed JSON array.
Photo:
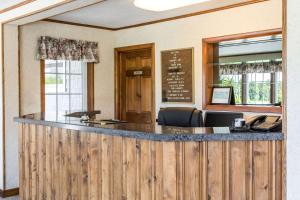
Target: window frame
[
  {"x": 90, "y": 86},
  {"x": 209, "y": 56}
]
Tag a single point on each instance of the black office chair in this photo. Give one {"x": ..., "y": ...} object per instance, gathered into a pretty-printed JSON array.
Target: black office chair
[
  {"x": 221, "y": 119},
  {"x": 180, "y": 116}
]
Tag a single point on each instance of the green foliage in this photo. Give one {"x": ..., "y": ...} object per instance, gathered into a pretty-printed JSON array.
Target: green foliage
[
  {"x": 259, "y": 93},
  {"x": 279, "y": 92},
  {"x": 52, "y": 80},
  {"x": 237, "y": 87}
]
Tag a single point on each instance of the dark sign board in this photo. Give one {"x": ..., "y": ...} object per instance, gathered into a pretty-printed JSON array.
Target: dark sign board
[{"x": 177, "y": 75}]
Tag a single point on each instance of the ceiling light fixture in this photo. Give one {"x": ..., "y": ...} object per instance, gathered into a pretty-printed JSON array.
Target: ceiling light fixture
[{"x": 162, "y": 5}]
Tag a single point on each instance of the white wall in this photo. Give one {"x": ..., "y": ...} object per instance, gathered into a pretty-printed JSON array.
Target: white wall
[
  {"x": 11, "y": 105},
  {"x": 189, "y": 32},
  {"x": 293, "y": 100},
  {"x": 1, "y": 111},
  {"x": 30, "y": 66}
]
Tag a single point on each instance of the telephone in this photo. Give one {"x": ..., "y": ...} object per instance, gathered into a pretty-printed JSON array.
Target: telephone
[{"x": 265, "y": 123}]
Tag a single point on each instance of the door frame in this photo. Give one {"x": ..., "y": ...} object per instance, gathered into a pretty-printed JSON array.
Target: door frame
[{"x": 118, "y": 52}]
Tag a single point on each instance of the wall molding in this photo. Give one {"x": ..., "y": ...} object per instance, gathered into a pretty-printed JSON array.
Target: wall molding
[
  {"x": 23, "y": 3},
  {"x": 9, "y": 192},
  {"x": 161, "y": 20},
  {"x": 79, "y": 24}
]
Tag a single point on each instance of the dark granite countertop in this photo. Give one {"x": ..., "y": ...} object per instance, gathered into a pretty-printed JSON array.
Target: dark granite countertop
[{"x": 148, "y": 131}]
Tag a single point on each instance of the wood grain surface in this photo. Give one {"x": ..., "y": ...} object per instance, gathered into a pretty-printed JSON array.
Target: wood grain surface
[{"x": 65, "y": 164}]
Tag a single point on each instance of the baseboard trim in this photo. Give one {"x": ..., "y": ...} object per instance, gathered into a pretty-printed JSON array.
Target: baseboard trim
[{"x": 9, "y": 192}]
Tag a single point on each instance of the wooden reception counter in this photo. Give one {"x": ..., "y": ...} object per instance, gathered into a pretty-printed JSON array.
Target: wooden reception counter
[{"x": 62, "y": 158}]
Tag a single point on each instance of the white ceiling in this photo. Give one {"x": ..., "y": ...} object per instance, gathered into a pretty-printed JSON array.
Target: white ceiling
[
  {"x": 8, "y": 3},
  {"x": 121, "y": 13},
  {"x": 40, "y": 5}
]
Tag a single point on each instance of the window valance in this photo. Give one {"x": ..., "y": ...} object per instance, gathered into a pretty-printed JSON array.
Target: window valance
[
  {"x": 67, "y": 49},
  {"x": 246, "y": 68}
]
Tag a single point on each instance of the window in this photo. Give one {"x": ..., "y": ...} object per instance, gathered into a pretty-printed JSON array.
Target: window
[
  {"x": 66, "y": 86},
  {"x": 251, "y": 63},
  {"x": 255, "y": 88}
]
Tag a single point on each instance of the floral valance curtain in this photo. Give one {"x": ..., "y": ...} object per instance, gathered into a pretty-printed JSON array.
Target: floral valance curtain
[
  {"x": 245, "y": 68},
  {"x": 66, "y": 49}
]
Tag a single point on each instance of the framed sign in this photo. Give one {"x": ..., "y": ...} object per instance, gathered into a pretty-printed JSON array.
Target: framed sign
[
  {"x": 177, "y": 75},
  {"x": 222, "y": 95}
]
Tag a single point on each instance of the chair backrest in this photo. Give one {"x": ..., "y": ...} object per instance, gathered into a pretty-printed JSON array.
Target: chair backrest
[
  {"x": 221, "y": 119},
  {"x": 180, "y": 116}
]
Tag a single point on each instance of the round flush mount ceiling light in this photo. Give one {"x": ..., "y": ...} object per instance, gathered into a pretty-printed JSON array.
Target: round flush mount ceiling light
[{"x": 162, "y": 5}]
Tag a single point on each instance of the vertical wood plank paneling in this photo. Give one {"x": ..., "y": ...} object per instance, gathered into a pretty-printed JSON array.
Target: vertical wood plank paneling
[
  {"x": 84, "y": 162},
  {"x": 203, "y": 162},
  {"x": 49, "y": 162},
  {"x": 21, "y": 161},
  {"x": 180, "y": 170},
  {"x": 63, "y": 148},
  {"x": 238, "y": 167},
  {"x": 75, "y": 162},
  {"x": 158, "y": 172},
  {"x": 129, "y": 173},
  {"x": 94, "y": 174},
  {"x": 124, "y": 169},
  {"x": 192, "y": 170},
  {"x": 138, "y": 170},
  {"x": 249, "y": 172},
  {"x": 56, "y": 163},
  {"x": 261, "y": 170},
  {"x": 65, "y": 165},
  {"x": 100, "y": 164},
  {"x": 283, "y": 170},
  {"x": 41, "y": 141},
  {"x": 152, "y": 151},
  {"x": 80, "y": 156},
  {"x": 33, "y": 161},
  {"x": 27, "y": 178},
  {"x": 62, "y": 164},
  {"x": 272, "y": 170},
  {"x": 146, "y": 170},
  {"x": 106, "y": 167},
  {"x": 226, "y": 169},
  {"x": 169, "y": 171},
  {"x": 117, "y": 167},
  {"x": 215, "y": 170},
  {"x": 279, "y": 168}
]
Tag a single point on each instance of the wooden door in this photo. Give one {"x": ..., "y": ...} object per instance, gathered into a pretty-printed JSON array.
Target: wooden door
[{"x": 136, "y": 86}]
